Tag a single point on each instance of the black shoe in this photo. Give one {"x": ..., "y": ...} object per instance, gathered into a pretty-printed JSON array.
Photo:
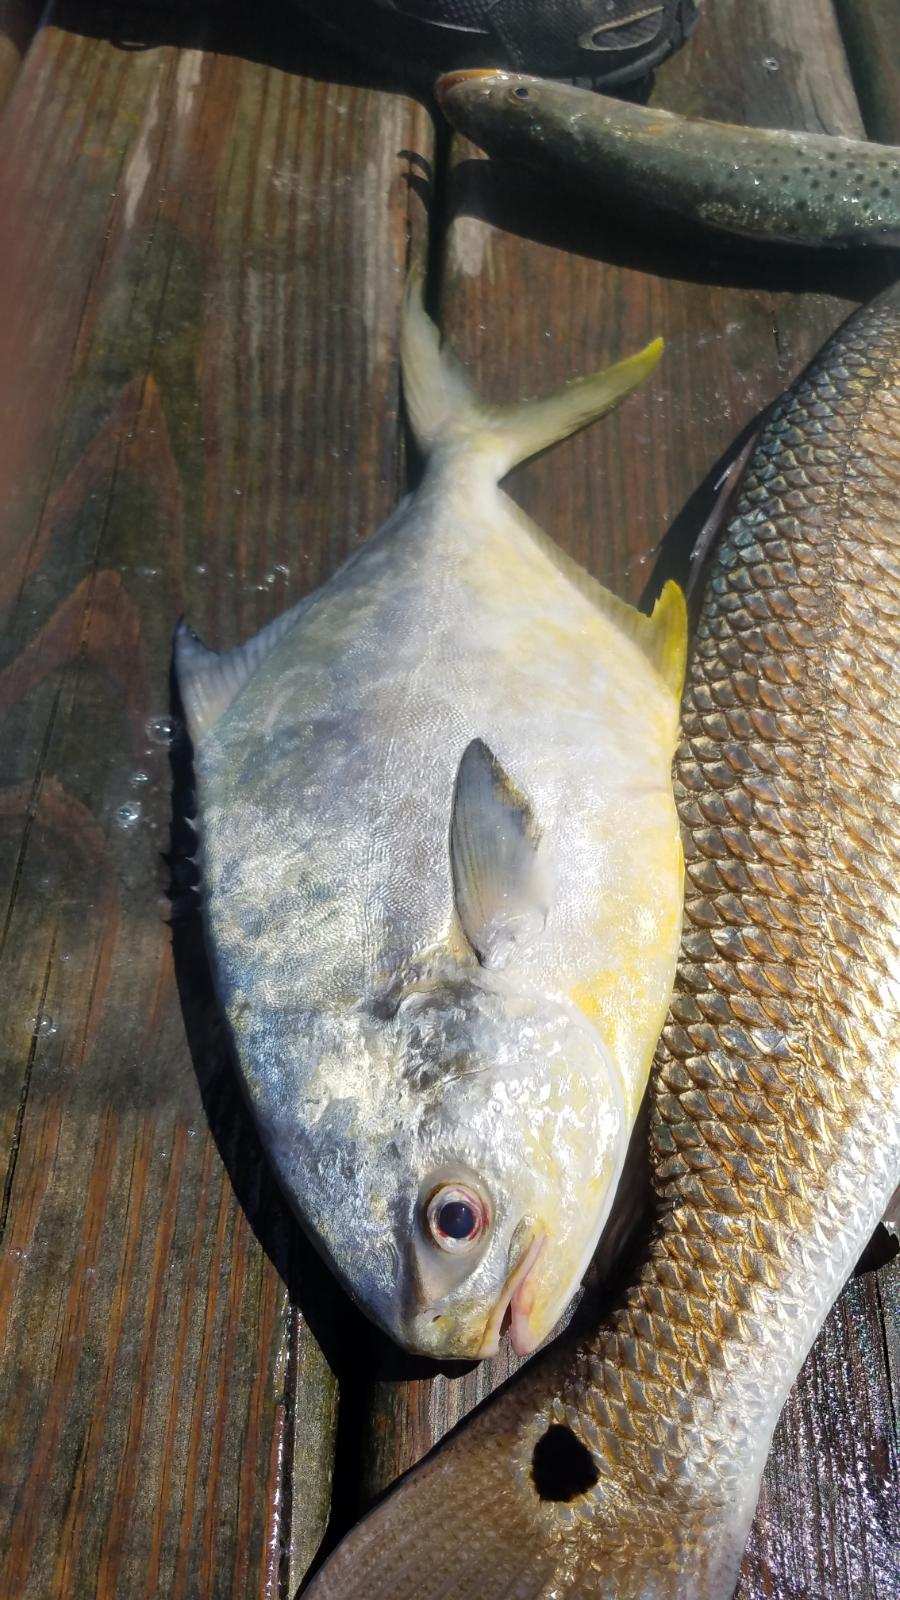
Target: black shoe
[{"x": 607, "y": 42}]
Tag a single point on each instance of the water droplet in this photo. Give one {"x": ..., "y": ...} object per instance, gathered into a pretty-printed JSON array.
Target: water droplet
[
  {"x": 44, "y": 1026},
  {"x": 280, "y": 568},
  {"x": 128, "y": 816},
  {"x": 138, "y": 778},
  {"x": 201, "y": 568},
  {"x": 770, "y": 64},
  {"x": 161, "y": 730},
  {"x": 146, "y": 572}
]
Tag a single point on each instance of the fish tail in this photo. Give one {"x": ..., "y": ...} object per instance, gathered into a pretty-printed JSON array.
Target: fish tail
[
  {"x": 445, "y": 413},
  {"x": 439, "y": 401}
]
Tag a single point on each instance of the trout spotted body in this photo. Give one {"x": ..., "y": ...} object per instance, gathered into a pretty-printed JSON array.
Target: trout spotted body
[
  {"x": 442, "y": 880},
  {"x": 764, "y": 183},
  {"x": 628, "y": 1467}
]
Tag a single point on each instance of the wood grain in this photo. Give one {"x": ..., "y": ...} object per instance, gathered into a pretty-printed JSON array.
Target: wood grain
[
  {"x": 828, "y": 1521},
  {"x": 204, "y": 246},
  {"x": 871, "y": 31},
  {"x": 536, "y": 289},
  {"x": 533, "y": 291},
  {"x": 18, "y": 21}
]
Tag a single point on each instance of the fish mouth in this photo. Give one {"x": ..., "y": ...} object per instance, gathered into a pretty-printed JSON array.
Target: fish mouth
[
  {"x": 515, "y": 1298},
  {"x": 451, "y": 80}
]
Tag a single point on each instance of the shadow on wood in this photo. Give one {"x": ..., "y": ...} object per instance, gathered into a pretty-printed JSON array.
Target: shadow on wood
[
  {"x": 310, "y": 1285},
  {"x": 271, "y": 33},
  {"x": 511, "y": 198}
]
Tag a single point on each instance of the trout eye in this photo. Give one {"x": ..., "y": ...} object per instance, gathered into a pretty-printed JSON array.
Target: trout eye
[{"x": 455, "y": 1217}]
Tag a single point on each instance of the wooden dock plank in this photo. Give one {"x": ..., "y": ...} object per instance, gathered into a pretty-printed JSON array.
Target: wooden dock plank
[
  {"x": 18, "y": 21},
  {"x": 205, "y": 250},
  {"x": 198, "y": 411},
  {"x": 828, "y": 1521},
  {"x": 871, "y": 32},
  {"x": 535, "y": 291},
  {"x": 536, "y": 288}
]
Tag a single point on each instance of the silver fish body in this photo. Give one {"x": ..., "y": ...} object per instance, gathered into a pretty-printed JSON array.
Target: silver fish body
[
  {"x": 442, "y": 883},
  {"x": 762, "y": 183}
]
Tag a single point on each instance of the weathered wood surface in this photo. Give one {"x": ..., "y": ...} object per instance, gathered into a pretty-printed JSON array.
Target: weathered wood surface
[
  {"x": 534, "y": 292},
  {"x": 828, "y": 1521},
  {"x": 204, "y": 219},
  {"x": 201, "y": 255},
  {"x": 871, "y": 31},
  {"x": 18, "y": 21}
]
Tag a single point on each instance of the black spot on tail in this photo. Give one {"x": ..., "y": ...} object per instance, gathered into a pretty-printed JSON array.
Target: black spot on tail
[{"x": 562, "y": 1467}]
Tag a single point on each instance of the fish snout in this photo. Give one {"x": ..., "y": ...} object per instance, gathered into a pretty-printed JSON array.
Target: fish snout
[
  {"x": 451, "y": 80},
  {"x": 478, "y": 86},
  {"x": 459, "y": 1331},
  {"x": 453, "y": 1333}
]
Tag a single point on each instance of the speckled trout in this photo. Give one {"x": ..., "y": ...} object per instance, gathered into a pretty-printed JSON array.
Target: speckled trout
[
  {"x": 626, "y": 1466},
  {"x": 763, "y": 183},
  {"x": 442, "y": 880}
]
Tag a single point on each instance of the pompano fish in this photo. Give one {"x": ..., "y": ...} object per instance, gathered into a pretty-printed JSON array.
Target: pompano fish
[
  {"x": 443, "y": 879},
  {"x": 626, "y": 1466},
  {"x": 764, "y": 183}
]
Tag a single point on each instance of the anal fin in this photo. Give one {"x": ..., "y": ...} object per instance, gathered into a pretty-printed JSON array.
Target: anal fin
[{"x": 209, "y": 681}]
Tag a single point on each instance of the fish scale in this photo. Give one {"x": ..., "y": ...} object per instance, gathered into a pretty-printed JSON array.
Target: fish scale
[{"x": 775, "y": 1116}]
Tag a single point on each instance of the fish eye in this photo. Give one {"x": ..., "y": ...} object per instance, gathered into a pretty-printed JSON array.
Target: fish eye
[
  {"x": 520, "y": 92},
  {"x": 456, "y": 1217}
]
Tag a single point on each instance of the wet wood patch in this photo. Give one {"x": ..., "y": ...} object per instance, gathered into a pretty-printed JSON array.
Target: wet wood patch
[{"x": 205, "y": 246}]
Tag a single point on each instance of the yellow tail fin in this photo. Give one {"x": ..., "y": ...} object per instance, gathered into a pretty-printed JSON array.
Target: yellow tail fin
[{"x": 443, "y": 410}]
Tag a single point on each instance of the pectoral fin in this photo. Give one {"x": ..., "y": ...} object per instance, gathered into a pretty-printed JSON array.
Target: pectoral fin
[{"x": 499, "y": 880}]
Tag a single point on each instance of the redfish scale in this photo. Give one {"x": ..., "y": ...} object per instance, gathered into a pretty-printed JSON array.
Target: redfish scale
[{"x": 755, "y": 1147}]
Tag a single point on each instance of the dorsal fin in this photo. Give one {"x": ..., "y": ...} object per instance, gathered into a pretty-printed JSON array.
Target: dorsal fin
[
  {"x": 662, "y": 637},
  {"x": 498, "y": 879},
  {"x": 209, "y": 681}
]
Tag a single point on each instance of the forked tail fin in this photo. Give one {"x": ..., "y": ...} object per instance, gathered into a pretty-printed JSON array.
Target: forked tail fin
[{"x": 443, "y": 411}]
